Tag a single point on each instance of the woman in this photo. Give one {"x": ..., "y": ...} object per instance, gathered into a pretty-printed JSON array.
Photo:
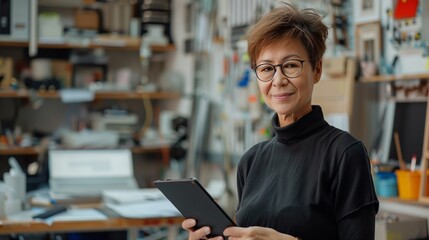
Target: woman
[{"x": 312, "y": 180}]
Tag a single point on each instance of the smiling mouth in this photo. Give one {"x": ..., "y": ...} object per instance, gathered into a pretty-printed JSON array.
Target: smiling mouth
[{"x": 281, "y": 96}]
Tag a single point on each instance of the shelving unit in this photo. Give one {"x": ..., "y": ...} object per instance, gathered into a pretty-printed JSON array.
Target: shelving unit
[
  {"x": 104, "y": 95},
  {"x": 118, "y": 47},
  {"x": 397, "y": 77},
  {"x": 423, "y": 199}
]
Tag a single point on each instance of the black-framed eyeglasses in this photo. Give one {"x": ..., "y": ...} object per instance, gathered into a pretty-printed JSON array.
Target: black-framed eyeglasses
[{"x": 291, "y": 68}]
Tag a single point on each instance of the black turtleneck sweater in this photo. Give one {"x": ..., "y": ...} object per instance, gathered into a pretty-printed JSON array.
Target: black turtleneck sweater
[{"x": 312, "y": 181}]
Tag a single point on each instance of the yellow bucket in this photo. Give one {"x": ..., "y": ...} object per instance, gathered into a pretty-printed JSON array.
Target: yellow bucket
[{"x": 409, "y": 184}]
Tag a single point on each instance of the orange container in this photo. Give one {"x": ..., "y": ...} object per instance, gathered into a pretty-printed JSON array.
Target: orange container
[{"x": 409, "y": 184}]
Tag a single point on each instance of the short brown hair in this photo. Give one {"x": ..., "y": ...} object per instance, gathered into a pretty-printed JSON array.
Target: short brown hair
[{"x": 288, "y": 22}]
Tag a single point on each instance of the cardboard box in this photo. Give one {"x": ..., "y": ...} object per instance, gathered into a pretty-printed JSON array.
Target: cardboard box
[
  {"x": 62, "y": 70},
  {"x": 6, "y": 72},
  {"x": 87, "y": 19}
]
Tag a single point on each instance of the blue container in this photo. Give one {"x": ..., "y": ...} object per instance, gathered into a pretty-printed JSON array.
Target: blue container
[{"x": 386, "y": 184}]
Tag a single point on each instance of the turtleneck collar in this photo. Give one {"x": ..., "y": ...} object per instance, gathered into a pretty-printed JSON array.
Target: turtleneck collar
[{"x": 300, "y": 129}]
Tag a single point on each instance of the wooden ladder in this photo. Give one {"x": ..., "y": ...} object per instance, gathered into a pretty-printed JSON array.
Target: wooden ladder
[{"x": 423, "y": 195}]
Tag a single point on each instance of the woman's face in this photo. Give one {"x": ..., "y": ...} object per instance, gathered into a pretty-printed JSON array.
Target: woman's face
[{"x": 290, "y": 98}]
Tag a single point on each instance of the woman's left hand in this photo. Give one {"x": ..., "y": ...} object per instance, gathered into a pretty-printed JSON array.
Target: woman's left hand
[{"x": 255, "y": 233}]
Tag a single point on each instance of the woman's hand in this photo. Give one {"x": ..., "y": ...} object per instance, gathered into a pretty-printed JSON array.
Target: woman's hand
[
  {"x": 200, "y": 233},
  {"x": 255, "y": 233}
]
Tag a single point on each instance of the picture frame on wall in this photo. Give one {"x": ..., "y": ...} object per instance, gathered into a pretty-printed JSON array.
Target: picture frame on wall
[
  {"x": 369, "y": 46},
  {"x": 366, "y": 11}
]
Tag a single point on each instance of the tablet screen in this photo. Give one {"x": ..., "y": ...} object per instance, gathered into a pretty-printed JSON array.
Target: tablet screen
[{"x": 193, "y": 201}]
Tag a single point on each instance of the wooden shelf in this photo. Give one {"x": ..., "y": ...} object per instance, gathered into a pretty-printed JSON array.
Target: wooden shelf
[
  {"x": 164, "y": 150},
  {"x": 98, "y": 95},
  {"x": 131, "y": 45},
  {"x": 35, "y": 150},
  {"x": 398, "y": 77},
  {"x": 19, "y": 151}
]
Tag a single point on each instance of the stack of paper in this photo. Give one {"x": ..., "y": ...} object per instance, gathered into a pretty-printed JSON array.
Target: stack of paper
[
  {"x": 132, "y": 195},
  {"x": 139, "y": 203}
]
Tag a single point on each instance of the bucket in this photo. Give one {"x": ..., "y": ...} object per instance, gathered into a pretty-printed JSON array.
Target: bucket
[
  {"x": 386, "y": 184},
  {"x": 409, "y": 184}
]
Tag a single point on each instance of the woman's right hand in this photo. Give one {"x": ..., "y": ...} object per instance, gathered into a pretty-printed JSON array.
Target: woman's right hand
[{"x": 198, "y": 234}]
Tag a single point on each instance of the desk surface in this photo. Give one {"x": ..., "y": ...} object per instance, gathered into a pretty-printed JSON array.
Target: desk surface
[
  {"x": 404, "y": 201},
  {"x": 7, "y": 227},
  {"x": 111, "y": 220}
]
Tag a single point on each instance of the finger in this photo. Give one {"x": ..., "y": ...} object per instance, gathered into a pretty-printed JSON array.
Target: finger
[
  {"x": 216, "y": 238},
  {"x": 187, "y": 224},
  {"x": 200, "y": 233},
  {"x": 235, "y": 238},
  {"x": 234, "y": 231}
]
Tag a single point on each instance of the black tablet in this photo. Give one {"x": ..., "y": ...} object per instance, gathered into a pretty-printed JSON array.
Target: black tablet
[{"x": 193, "y": 201}]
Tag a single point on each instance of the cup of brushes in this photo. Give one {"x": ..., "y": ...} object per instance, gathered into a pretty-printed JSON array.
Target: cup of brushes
[{"x": 409, "y": 181}]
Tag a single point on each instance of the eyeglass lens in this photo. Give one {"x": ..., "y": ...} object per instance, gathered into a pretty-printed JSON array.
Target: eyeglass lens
[{"x": 291, "y": 68}]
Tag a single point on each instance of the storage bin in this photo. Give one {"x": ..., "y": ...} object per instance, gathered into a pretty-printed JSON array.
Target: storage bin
[{"x": 386, "y": 184}]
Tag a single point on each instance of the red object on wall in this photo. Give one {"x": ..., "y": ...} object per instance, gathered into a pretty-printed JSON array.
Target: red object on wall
[{"x": 406, "y": 9}]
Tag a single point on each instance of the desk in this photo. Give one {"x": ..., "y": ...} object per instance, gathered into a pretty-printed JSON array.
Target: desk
[
  {"x": 115, "y": 223},
  {"x": 407, "y": 207}
]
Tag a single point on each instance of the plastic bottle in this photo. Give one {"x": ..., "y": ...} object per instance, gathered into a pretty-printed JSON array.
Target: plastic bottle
[
  {"x": 16, "y": 180},
  {"x": 2, "y": 200},
  {"x": 12, "y": 204}
]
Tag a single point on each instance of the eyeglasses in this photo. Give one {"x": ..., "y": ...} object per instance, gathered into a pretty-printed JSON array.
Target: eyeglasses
[{"x": 292, "y": 68}]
